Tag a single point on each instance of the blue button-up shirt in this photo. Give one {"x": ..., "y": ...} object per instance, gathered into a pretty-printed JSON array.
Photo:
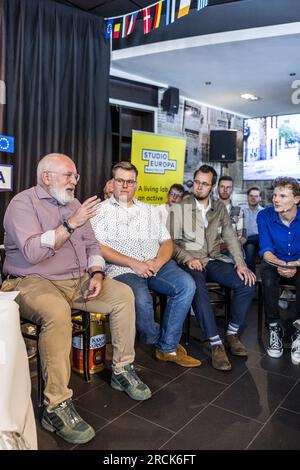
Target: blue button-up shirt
[{"x": 275, "y": 236}]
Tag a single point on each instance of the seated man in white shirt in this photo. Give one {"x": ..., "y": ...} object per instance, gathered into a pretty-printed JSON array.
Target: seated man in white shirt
[{"x": 138, "y": 251}]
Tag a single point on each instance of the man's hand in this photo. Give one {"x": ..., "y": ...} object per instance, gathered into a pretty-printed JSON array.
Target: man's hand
[
  {"x": 246, "y": 275},
  {"x": 154, "y": 265},
  {"x": 141, "y": 268},
  {"x": 195, "y": 263},
  {"x": 95, "y": 286},
  {"x": 294, "y": 263},
  {"x": 85, "y": 212},
  {"x": 287, "y": 272}
]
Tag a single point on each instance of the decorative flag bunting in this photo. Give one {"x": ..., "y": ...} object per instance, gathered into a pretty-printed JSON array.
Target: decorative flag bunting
[
  {"x": 109, "y": 28},
  {"x": 184, "y": 8},
  {"x": 157, "y": 15},
  {"x": 151, "y": 17},
  {"x": 201, "y": 4},
  {"x": 147, "y": 20},
  {"x": 132, "y": 23},
  {"x": 170, "y": 11},
  {"x": 116, "y": 30},
  {"x": 124, "y": 25}
]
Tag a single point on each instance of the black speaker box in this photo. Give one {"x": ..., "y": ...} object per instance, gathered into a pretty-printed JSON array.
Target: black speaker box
[
  {"x": 222, "y": 147},
  {"x": 170, "y": 101}
]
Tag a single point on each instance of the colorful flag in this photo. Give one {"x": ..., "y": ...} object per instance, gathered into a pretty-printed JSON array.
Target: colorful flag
[
  {"x": 7, "y": 144},
  {"x": 124, "y": 25},
  {"x": 131, "y": 23},
  {"x": 147, "y": 20},
  {"x": 201, "y": 4},
  {"x": 157, "y": 15},
  {"x": 116, "y": 30},
  {"x": 108, "y": 28},
  {"x": 170, "y": 11},
  {"x": 184, "y": 8}
]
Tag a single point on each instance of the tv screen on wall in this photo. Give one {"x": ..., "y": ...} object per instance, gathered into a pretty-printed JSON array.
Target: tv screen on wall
[{"x": 271, "y": 147}]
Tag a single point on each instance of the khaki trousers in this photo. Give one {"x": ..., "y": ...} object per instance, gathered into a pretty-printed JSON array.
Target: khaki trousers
[{"x": 49, "y": 304}]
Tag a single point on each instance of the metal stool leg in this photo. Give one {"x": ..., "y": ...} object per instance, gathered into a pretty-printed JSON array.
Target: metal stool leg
[
  {"x": 41, "y": 383},
  {"x": 187, "y": 327},
  {"x": 86, "y": 345},
  {"x": 259, "y": 310},
  {"x": 227, "y": 308}
]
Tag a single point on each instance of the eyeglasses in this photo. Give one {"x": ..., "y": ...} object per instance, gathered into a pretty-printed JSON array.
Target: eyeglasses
[
  {"x": 68, "y": 175},
  {"x": 121, "y": 182},
  {"x": 203, "y": 183},
  {"x": 176, "y": 195}
]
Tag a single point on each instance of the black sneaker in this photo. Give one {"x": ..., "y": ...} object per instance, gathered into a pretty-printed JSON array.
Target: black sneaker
[
  {"x": 66, "y": 423},
  {"x": 275, "y": 348},
  {"x": 295, "y": 348},
  {"x": 129, "y": 382}
]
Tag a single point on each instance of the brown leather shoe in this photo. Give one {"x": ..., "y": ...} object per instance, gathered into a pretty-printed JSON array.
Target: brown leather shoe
[
  {"x": 219, "y": 358},
  {"x": 179, "y": 358},
  {"x": 235, "y": 346}
]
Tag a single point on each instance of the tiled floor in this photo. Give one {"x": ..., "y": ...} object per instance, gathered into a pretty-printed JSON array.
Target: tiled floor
[{"x": 254, "y": 406}]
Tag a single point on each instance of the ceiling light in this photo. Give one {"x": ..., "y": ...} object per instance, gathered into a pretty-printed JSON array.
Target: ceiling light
[
  {"x": 207, "y": 83},
  {"x": 249, "y": 96},
  {"x": 292, "y": 74}
]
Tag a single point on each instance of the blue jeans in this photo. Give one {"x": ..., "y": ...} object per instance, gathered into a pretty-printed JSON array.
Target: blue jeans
[
  {"x": 179, "y": 287},
  {"x": 225, "y": 275}
]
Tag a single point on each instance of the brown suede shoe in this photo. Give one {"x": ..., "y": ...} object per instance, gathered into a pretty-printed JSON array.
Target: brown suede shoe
[
  {"x": 235, "y": 346},
  {"x": 181, "y": 350},
  {"x": 179, "y": 358},
  {"x": 219, "y": 358}
]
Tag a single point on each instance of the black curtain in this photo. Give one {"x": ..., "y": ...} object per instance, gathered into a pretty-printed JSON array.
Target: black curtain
[
  {"x": 57, "y": 77},
  {"x": 2, "y": 63}
]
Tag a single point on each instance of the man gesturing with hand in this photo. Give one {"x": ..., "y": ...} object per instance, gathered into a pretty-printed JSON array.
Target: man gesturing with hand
[{"x": 53, "y": 259}]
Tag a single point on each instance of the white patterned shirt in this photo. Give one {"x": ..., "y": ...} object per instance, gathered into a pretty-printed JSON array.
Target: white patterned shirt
[{"x": 134, "y": 231}]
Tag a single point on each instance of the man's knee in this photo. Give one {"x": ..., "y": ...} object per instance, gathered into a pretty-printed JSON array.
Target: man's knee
[
  {"x": 187, "y": 284},
  {"x": 125, "y": 292},
  {"x": 59, "y": 317}
]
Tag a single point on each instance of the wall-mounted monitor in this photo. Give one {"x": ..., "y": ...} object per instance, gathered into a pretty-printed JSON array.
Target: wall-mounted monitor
[{"x": 271, "y": 147}]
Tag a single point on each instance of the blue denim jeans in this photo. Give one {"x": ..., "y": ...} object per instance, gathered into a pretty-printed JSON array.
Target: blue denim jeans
[
  {"x": 224, "y": 274},
  {"x": 179, "y": 287}
]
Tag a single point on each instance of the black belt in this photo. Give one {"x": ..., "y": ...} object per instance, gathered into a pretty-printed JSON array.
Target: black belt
[{"x": 10, "y": 276}]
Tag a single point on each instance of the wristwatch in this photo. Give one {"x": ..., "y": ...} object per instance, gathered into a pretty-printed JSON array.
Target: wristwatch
[
  {"x": 67, "y": 226},
  {"x": 92, "y": 274}
]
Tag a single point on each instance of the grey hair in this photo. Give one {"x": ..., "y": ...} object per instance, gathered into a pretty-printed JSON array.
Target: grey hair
[{"x": 50, "y": 162}]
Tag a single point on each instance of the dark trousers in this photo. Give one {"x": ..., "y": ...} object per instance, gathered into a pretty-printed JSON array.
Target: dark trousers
[
  {"x": 225, "y": 274},
  {"x": 251, "y": 249},
  {"x": 270, "y": 283}
]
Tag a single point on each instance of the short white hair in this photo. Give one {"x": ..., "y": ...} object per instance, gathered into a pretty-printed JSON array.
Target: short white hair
[{"x": 50, "y": 162}]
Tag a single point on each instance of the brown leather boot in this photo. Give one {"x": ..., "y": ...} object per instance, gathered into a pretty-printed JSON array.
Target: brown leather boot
[
  {"x": 235, "y": 346},
  {"x": 179, "y": 358},
  {"x": 219, "y": 358}
]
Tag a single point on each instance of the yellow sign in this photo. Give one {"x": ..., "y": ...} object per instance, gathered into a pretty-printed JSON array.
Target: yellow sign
[{"x": 160, "y": 163}]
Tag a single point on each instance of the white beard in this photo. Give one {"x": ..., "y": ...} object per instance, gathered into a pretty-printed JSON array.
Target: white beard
[{"x": 62, "y": 195}]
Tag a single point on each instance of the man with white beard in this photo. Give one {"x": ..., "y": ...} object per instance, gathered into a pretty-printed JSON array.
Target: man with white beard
[{"x": 54, "y": 261}]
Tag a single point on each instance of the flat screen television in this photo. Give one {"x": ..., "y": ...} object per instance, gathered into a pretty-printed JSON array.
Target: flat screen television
[{"x": 271, "y": 147}]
